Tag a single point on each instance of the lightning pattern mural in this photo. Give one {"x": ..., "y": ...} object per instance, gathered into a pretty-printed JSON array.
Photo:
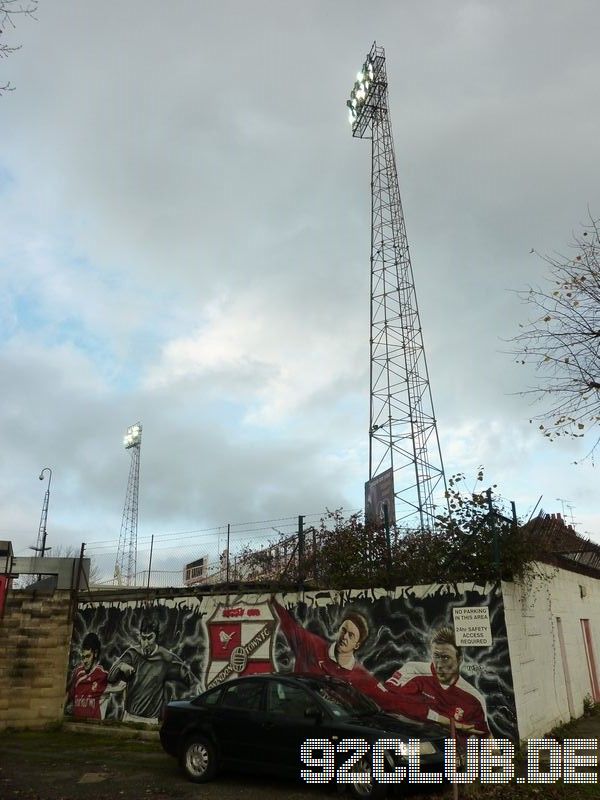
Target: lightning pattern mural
[{"x": 399, "y": 647}]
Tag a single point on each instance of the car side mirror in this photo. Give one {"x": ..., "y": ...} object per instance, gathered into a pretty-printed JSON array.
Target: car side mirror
[{"x": 314, "y": 712}]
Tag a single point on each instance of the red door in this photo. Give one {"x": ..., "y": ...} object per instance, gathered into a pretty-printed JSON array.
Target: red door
[{"x": 591, "y": 659}]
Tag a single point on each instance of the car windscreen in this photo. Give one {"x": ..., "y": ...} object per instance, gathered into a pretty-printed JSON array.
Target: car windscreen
[{"x": 344, "y": 701}]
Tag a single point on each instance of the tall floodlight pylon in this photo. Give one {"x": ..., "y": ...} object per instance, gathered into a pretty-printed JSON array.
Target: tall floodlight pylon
[
  {"x": 126, "y": 563},
  {"x": 403, "y": 436}
]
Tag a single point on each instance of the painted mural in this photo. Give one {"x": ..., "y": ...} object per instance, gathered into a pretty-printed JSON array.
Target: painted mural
[{"x": 402, "y": 648}]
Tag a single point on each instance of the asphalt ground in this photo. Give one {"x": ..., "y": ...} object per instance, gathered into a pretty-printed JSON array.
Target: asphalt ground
[
  {"x": 66, "y": 765},
  {"x": 72, "y": 766},
  {"x": 75, "y": 765}
]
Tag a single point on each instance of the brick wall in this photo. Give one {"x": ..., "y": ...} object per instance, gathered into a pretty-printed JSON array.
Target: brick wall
[{"x": 35, "y": 634}]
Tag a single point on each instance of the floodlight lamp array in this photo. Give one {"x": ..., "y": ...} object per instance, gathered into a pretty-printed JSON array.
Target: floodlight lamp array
[
  {"x": 133, "y": 436},
  {"x": 360, "y": 90}
]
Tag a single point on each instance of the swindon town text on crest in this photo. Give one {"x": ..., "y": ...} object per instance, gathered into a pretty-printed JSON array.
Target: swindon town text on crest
[{"x": 240, "y": 641}]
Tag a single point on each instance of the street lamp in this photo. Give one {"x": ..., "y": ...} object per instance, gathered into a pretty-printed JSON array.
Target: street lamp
[{"x": 41, "y": 542}]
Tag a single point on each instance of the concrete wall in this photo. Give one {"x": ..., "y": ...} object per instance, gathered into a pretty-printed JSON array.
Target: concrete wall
[
  {"x": 196, "y": 642},
  {"x": 543, "y": 671},
  {"x": 35, "y": 635}
]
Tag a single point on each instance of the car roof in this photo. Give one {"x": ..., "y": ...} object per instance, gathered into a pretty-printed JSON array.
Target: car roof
[{"x": 303, "y": 678}]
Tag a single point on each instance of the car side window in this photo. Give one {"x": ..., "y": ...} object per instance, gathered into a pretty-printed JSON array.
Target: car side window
[
  {"x": 244, "y": 695},
  {"x": 282, "y": 698},
  {"x": 212, "y": 698}
]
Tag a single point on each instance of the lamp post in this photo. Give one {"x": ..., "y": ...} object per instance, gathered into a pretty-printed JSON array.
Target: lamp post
[{"x": 41, "y": 542}]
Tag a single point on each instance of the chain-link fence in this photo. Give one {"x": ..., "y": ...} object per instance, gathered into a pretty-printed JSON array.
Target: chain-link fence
[
  {"x": 318, "y": 549},
  {"x": 229, "y": 553},
  {"x": 336, "y": 551}
]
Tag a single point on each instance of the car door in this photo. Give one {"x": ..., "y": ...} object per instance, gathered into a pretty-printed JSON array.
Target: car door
[
  {"x": 286, "y": 725},
  {"x": 237, "y": 722}
]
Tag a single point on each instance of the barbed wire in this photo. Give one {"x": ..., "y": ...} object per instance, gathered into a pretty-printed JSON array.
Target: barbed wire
[
  {"x": 108, "y": 544},
  {"x": 166, "y": 558},
  {"x": 212, "y": 533}
]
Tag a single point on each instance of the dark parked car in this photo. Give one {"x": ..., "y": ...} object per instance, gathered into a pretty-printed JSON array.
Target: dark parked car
[{"x": 259, "y": 723}]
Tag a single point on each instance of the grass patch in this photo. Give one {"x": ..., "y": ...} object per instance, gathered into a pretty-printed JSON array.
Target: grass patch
[
  {"x": 52, "y": 742},
  {"x": 534, "y": 791},
  {"x": 565, "y": 731},
  {"x": 590, "y": 709}
]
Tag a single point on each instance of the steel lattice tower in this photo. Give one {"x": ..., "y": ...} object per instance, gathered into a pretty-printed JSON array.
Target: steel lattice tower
[
  {"x": 402, "y": 428},
  {"x": 126, "y": 563}
]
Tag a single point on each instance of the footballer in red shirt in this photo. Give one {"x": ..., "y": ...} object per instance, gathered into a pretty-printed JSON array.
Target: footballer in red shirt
[
  {"x": 317, "y": 656},
  {"x": 436, "y": 691},
  {"x": 420, "y": 691},
  {"x": 87, "y": 685}
]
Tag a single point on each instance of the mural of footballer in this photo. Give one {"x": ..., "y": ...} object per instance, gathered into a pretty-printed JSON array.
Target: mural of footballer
[
  {"x": 420, "y": 691},
  {"x": 142, "y": 672},
  {"x": 316, "y": 655},
  {"x": 86, "y": 693},
  {"x": 436, "y": 691}
]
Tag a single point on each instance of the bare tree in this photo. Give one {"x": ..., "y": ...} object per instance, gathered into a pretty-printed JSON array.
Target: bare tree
[
  {"x": 562, "y": 340},
  {"x": 9, "y": 10}
]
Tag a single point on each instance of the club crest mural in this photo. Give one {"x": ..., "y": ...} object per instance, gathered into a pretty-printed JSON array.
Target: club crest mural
[
  {"x": 429, "y": 654},
  {"x": 240, "y": 639}
]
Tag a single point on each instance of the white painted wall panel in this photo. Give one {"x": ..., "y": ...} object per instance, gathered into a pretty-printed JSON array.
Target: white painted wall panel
[{"x": 535, "y": 653}]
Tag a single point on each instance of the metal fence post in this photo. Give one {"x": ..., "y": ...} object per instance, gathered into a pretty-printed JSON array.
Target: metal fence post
[
  {"x": 388, "y": 544},
  {"x": 494, "y": 528},
  {"x": 75, "y": 597},
  {"x": 227, "y": 554},
  {"x": 301, "y": 549},
  {"x": 150, "y": 561}
]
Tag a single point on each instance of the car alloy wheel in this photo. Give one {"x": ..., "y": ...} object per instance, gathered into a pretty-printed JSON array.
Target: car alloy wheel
[
  {"x": 198, "y": 759},
  {"x": 370, "y": 790}
]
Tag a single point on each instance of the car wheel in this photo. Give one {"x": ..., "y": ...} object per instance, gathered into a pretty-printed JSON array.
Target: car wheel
[
  {"x": 370, "y": 790},
  {"x": 198, "y": 759}
]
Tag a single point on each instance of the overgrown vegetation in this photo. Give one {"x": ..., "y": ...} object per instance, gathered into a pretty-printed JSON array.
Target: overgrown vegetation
[
  {"x": 590, "y": 708},
  {"x": 476, "y": 541},
  {"x": 568, "y": 730}
]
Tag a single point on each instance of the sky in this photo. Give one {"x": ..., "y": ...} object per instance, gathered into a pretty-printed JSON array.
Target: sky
[{"x": 185, "y": 234}]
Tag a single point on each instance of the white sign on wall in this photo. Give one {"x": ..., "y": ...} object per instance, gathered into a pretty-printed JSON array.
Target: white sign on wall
[{"x": 472, "y": 626}]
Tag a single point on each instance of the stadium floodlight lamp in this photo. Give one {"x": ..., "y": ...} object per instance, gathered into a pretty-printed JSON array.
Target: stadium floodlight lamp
[
  {"x": 133, "y": 436},
  {"x": 363, "y": 97}
]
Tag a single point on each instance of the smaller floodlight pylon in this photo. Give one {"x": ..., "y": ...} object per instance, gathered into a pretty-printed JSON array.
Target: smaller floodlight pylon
[{"x": 126, "y": 563}]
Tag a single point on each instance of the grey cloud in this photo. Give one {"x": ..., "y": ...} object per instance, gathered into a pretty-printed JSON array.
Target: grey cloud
[{"x": 195, "y": 158}]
